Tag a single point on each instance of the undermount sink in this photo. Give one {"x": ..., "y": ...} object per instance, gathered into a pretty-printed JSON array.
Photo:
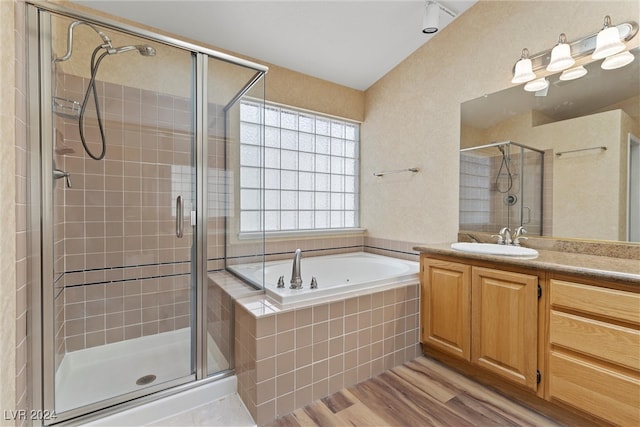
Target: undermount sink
[{"x": 495, "y": 249}]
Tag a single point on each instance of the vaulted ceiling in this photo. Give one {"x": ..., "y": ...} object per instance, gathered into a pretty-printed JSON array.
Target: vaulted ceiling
[{"x": 352, "y": 43}]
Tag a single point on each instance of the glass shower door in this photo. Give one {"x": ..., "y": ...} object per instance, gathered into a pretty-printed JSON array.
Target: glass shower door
[
  {"x": 123, "y": 295},
  {"x": 227, "y": 84}
]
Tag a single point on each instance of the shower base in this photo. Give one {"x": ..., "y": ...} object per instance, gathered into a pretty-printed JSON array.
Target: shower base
[
  {"x": 213, "y": 404},
  {"x": 99, "y": 373}
]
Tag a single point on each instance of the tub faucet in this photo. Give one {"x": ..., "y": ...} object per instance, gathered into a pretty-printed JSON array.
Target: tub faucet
[{"x": 296, "y": 279}]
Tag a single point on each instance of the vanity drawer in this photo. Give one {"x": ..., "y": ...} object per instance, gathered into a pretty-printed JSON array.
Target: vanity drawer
[
  {"x": 613, "y": 343},
  {"x": 607, "y": 394},
  {"x": 613, "y": 304}
]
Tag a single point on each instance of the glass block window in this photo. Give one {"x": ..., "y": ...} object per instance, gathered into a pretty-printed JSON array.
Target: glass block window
[{"x": 311, "y": 169}]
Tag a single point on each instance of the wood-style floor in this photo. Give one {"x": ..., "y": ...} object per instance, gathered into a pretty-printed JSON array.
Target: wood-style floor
[{"x": 422, "y": 392}]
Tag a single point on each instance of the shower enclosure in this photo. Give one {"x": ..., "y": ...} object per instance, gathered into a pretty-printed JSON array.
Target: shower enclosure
[
  {"x": 133, "y": 175},
  {"x": 501, "y": 186}
]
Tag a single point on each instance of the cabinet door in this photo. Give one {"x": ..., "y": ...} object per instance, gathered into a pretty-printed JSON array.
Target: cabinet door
[
  {"x": 505, "y": 324},
  {"x": 446, "y": 297}
]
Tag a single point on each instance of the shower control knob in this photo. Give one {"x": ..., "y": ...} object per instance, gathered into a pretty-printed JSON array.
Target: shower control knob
[
  {"x": 57, "y": 174},
  {"x": 281, "y": 282}
]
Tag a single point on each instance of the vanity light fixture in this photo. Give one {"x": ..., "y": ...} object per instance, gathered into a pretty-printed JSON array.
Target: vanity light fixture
[
  {"x": 618, "y": 60},
  {"x": 524, "y": 71},
  {"x": 537, "y": 85},
  {"x": 608, "y": 41},
  {"x": 573, "y": 73},
  {"x": 561, "y": 58}
]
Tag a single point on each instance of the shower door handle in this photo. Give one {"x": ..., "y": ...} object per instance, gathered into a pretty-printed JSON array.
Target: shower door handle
[
  {"x": 179, "y": 218},
  {"x": 528, "y": 215}
]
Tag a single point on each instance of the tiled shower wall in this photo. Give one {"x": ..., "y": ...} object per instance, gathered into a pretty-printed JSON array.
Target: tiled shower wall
[{"x": 123, "y": 271}]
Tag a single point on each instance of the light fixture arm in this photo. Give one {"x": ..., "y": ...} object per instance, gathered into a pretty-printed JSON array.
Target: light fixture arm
[
  {"x": 582, "y": 47},
  {"x": 444, "y": 9}
]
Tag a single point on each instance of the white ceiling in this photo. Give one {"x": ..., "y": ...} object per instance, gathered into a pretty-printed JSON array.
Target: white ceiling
[{"x": 352, "y": 43}]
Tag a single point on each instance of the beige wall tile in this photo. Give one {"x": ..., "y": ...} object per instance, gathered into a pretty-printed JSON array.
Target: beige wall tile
[{"x": 318, "y": 364}]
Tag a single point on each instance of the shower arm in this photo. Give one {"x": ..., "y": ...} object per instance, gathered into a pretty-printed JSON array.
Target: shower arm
[{"x": 105, "y": 38}]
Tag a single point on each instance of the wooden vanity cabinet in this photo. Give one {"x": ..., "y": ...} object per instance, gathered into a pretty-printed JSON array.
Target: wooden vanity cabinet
[
  {"x": 572, "y": 341},
  {"x": 594, "y": 350},
  {"x": 446, "y": 309},
  {"x": 486, "y": 316}
]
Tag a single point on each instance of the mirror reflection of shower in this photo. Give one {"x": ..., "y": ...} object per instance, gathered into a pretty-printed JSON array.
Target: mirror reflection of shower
[
  {"x": 501, "y": 185},
  {"x": 96, "y": 57},
  {"x": 503, "y": 171}
]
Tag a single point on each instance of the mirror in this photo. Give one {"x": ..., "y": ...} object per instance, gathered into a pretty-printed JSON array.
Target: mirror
[{"x": 589, "y": 131}]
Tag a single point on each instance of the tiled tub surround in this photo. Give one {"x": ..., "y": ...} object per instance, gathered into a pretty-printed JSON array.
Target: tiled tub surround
[
  {"x": 224, "y": 288},
  {"x": 287, "y": 357}
]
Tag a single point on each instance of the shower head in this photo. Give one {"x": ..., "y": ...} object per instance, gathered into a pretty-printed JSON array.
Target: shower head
[
  {"x": 143, "y": 49},
  {"x": 146, "y": 50}
]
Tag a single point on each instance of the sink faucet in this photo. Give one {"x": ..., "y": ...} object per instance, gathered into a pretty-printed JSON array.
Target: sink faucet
[
  {"x": 504, "y": 236},
  {"x": 296, "y": 279},
  {"x": 518, "y": 235}
]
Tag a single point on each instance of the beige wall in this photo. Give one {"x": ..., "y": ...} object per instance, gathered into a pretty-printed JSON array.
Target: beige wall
[{"x": 413, "y": 113}]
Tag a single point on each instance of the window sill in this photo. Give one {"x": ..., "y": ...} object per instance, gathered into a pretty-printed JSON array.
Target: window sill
[{"x": 269, "y": 235}]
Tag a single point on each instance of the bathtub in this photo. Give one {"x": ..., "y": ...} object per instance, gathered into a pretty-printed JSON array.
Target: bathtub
[{"x": 335, "y": 275}]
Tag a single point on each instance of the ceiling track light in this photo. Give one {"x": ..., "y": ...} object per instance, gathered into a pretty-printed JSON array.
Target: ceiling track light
[
  {"x": 431, "y": 18},
  {"x": 584, "y": 47}
]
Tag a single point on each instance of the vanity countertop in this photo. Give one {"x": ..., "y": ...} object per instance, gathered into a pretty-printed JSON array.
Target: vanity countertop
[{"x": 589, "y": 266}]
